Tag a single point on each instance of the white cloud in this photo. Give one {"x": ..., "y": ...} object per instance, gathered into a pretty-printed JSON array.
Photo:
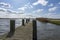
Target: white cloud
[
  {"x": 14, "y": 12},
  {"x": 31, "y": 6},
  {"x": 50, "y": 4},
  {"x": 59, "y": 3},
  {"x": 36, "y": 3},
  {"x": 4, "y": 13},
  {"x": 10, "y": 11},
  {"x": 52, "y": 9},
  {"x": 22, "y": 8},
  {"x": 42, "y": 2},
  {"x": 3, "y": 10},
  {"x": 7, "y": 11},
  {"x": 5, "y": 5},
  {"x": 38, "y": 11},
  {"x": 52, "y": 15},
  {"x": 26, "y": 6}
]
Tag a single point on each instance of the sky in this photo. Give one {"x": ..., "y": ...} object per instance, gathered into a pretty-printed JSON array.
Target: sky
[{"x": 37, "y": 8}]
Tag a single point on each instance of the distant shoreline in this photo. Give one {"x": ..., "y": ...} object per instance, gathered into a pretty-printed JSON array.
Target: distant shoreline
[{"x": 53, "y": 21}]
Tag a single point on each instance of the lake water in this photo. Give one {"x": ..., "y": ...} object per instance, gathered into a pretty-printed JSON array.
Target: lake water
[
  {"x": 45, "y": 31},
  {"x": 5, "y": 25},
  {"x": 48, "y": 31}
]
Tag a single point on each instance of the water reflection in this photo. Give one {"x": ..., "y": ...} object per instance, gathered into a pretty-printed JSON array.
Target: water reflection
[{"x": 47, "y": 31}]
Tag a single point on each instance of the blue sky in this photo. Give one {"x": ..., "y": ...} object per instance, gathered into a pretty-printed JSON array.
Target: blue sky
[{"x": 39, "y": 8}]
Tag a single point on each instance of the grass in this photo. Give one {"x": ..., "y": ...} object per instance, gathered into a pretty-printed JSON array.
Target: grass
[
  {"x": 57, "y": 22},
  {"x": 53, "y": 21}
]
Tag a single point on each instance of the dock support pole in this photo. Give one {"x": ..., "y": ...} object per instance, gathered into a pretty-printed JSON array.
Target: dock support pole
[
  {"x": 26, "y": 20},
  {"x": 12, "y": 28},
  {"x": 34, "y": 30},
  {"x": 23, "y": 22}
]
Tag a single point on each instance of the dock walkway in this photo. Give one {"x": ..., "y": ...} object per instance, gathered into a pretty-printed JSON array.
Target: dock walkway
[{"x": 23, "y": 33}]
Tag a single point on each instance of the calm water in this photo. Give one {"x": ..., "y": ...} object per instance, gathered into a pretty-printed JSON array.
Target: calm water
[
  {"x": 5, "y": 25},
  {"x": 48, "y": 31},
  {"x": 45, "y": 31}
]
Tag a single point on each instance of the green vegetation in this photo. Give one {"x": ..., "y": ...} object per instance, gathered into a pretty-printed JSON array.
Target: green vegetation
[
  {"x": 57, "y": 22},
  {"x": 48, "y": 20},
  {"x": 42, "y": 19}
]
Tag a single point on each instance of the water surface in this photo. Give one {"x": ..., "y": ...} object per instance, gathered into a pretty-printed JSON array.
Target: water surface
[
  {"x": 5, "y": 25},
  {"x": 48, "y": 31}
]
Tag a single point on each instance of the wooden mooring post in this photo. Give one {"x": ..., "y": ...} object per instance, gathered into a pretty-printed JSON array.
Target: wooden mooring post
[
  {"x": 27, "y": 20},
  {"x": 23, "y": 22},
  {"x": 12, "y": 28},
  {"x": 34, "y": 30}
]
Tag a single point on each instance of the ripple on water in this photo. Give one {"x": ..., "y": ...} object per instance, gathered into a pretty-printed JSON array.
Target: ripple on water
[{"x": 48, "y": 31}]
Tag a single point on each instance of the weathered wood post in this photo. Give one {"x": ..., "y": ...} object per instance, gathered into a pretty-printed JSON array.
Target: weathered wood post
[
  {"x": 23, "y": 22},
  {"x": 34, "y": 30},
  {"x": 12, "y": 28},
  {"x": 26, "y": 21}
]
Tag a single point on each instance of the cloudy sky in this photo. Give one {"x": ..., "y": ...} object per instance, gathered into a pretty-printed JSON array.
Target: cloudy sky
[{"x": 38, "y": 8}]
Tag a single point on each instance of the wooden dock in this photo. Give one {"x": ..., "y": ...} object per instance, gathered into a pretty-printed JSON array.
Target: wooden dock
[{"x": 22, "y": 33}]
